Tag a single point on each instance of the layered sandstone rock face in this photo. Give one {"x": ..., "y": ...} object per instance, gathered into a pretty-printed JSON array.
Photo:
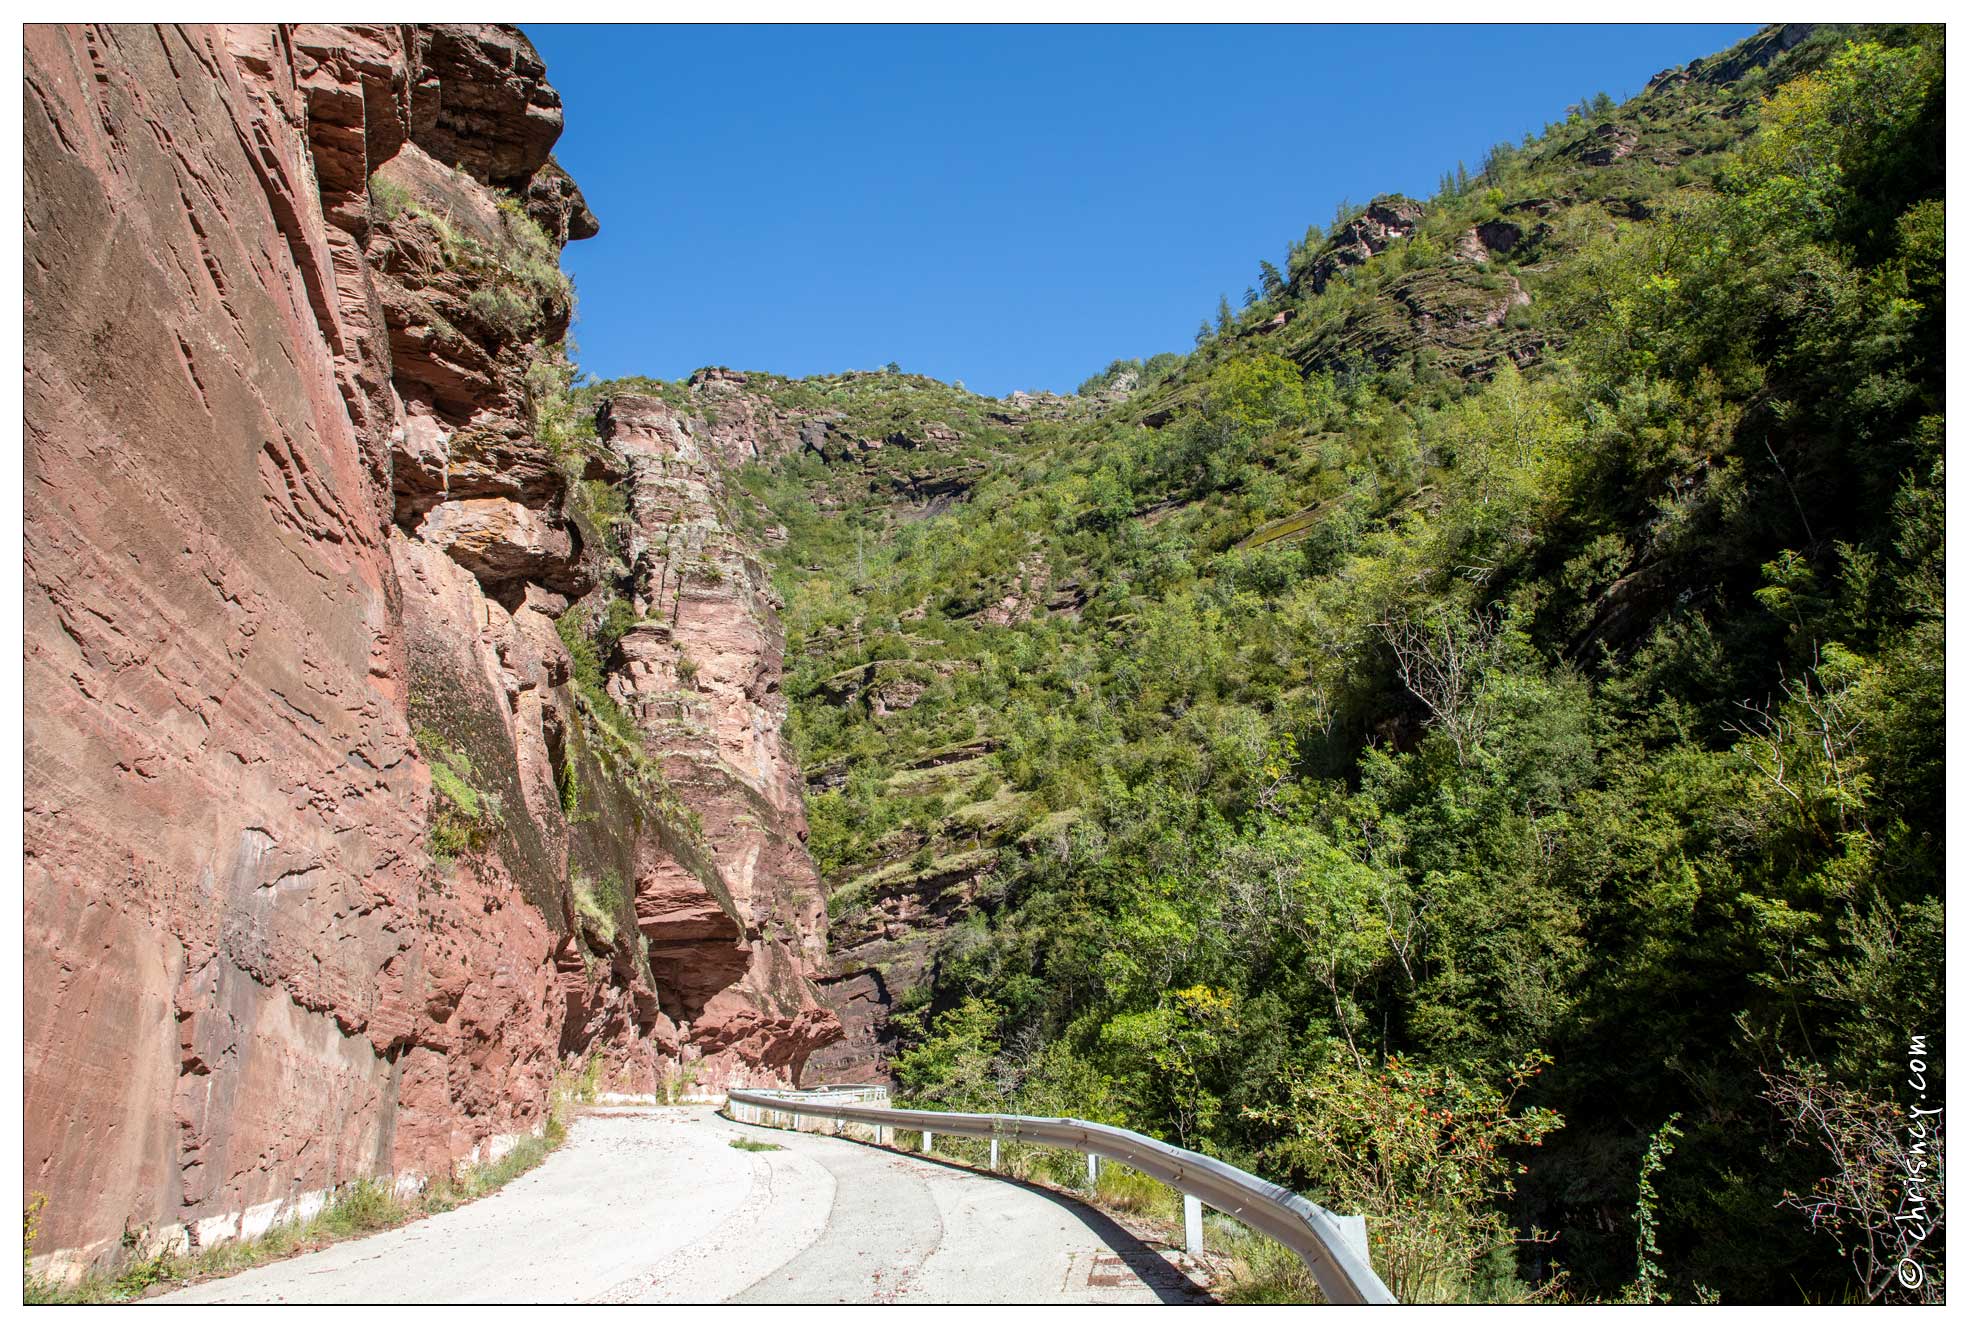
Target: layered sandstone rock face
[
  {"x": 699, "y": 670},
  {"x": 330, "y": 866}
]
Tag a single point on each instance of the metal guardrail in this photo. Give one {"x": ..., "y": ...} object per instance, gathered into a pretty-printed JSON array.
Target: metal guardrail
[{"x": 1333, "y": 1247}]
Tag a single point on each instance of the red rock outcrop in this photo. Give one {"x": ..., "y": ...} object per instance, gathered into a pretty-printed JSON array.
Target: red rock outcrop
[
  {"x": 699, "y": 670},
  {"x": 330, "y": 868},
  {"x": 1379, "y": 225}
]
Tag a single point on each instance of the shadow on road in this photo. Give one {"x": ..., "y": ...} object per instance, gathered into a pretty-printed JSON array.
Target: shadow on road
[{"x": 1170, "y": 1284}]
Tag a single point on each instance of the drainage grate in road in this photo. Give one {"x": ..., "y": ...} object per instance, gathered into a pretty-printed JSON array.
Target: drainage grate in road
[{"x": 1111, "y": 1271}]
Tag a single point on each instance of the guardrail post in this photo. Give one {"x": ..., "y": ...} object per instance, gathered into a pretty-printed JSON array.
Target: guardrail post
[
  {"x": 994, "y": 1153},
  {"x": 929, "y": 1142},
  {"x": 1192, "y": 1225},
  {"x": 1093, "y": 1171}
]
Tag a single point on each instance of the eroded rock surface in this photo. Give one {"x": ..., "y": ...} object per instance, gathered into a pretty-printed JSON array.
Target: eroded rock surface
[
  {"x": 700, "y": 674},
  {"x": 330, "y": 866}
]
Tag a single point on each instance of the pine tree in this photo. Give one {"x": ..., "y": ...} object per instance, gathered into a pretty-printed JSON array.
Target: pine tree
[
  {"x": 1302, "y": 253},
  {"x": 1270, "y": 280},
  {"x": 1203, "y": 332},
  {"x": 1225, "y": 319}
]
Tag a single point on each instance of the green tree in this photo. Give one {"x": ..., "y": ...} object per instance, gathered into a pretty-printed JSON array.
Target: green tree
[{"x": 952, "y": 1068}]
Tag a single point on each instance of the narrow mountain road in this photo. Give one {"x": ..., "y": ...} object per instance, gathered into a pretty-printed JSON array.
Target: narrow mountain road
[{"x": 654, "y": 1205}]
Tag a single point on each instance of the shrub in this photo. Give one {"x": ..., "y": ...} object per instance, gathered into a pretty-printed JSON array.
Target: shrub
[
  {"x": 1425, "y": 1154},
  {"x": 503, "y": 311},
  {"x": 677, "y": 1080}
]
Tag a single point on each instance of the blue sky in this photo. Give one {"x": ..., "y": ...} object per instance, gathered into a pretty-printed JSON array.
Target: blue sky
[{"x": 1009, "y": 206}]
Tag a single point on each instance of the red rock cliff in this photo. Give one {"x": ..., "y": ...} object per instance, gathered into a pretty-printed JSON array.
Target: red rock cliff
[
  {"x": 699, "y": 670},
  {"x": 330, "y": 867}
]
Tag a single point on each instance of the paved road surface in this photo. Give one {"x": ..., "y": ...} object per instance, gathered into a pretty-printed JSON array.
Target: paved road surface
[{"x": 654, "y": 1205}]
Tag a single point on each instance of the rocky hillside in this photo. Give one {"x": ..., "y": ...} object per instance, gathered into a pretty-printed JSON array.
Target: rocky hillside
[
  {"x": 902, "y": 670},
  {"x": 1495, "y": 675},
  {"x": 341, "y": 844}
]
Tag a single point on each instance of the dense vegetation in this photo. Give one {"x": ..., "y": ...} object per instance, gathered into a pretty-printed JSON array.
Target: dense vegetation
[{"x": 1484, "y": 769}]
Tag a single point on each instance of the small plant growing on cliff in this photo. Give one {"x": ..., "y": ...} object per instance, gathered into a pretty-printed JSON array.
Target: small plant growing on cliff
[
  {"x": 451, "y": 772},
  {"x": 533, "y": 255},
  {"x": 568, "y": 781},
  {"x": 559, "y": 424},
  {"x": 582, "y": 1089},
  {"x": 462, "y": 811},
  {"x": 615, "y": 621},
  {"x": 504, "y": 311},
  {"x": 595, "y": 905},
  {"x": 391, "y": 198},
  {"x": 521, "y": 263},
  {"x": 849, "y": 900},
  {"x": 687, "y": 671}
]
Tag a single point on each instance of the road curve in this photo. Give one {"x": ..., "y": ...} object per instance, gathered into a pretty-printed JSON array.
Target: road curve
[{"x": 653, "y": 1205}]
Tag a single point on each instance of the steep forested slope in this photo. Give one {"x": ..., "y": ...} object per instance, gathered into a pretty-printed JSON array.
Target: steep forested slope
[{"x": 1476, "y": 714}]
